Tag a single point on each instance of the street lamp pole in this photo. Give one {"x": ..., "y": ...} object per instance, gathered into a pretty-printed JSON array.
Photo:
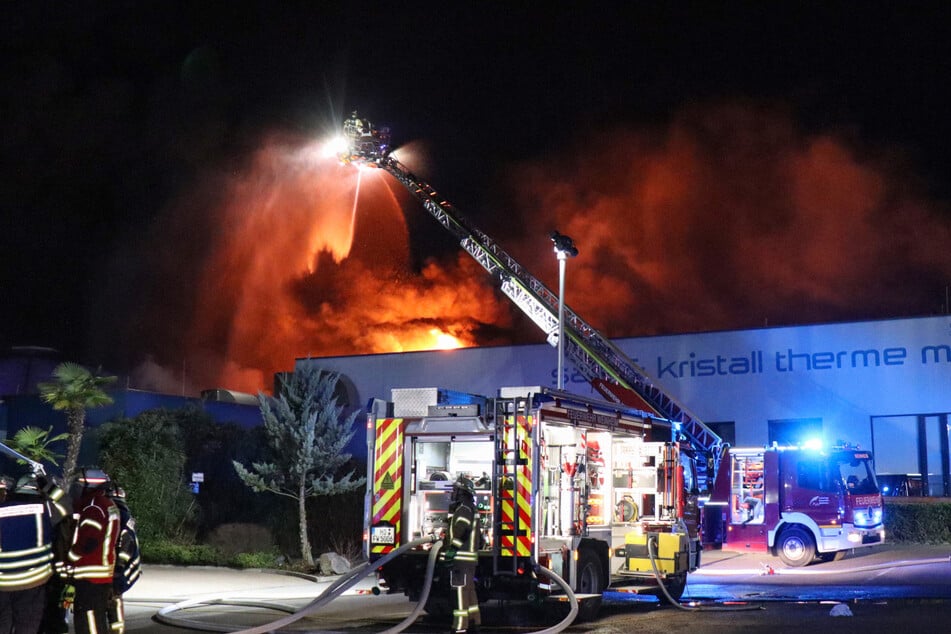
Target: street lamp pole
[{"x": 564, "y": 249}]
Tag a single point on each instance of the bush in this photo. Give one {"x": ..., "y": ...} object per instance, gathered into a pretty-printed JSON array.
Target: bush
[
  {"x": 239, "y": 538},
  {"x": 172, "y": 553},
  {"x": 923, "y": 521},
  {"x": 254, "y": 560},
  {"x": 161, "y": 551}
]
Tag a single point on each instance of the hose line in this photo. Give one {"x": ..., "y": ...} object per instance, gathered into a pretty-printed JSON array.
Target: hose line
[
  {"x": 339, "y": 587},
  {"x": 651, "y": 547}
]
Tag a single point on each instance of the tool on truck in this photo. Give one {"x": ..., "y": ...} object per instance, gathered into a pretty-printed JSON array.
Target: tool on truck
[
  {"x": 574, "y": 485},
  {"x": 802, "y": 504}
]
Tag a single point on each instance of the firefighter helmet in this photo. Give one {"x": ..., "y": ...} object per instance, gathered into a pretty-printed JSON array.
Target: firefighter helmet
[
  {"x": 28, "y": 484},
  {"x": 463, "y": 484},
  {"x": 92, "y": 478}
]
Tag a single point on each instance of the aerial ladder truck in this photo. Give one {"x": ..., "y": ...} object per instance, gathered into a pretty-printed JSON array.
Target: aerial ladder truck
[{"x": 580, "y": 486}]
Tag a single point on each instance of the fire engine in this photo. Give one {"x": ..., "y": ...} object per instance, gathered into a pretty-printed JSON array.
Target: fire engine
[
  {"x": 800, "y": 503},
  {"x": 574, "y": 485}
]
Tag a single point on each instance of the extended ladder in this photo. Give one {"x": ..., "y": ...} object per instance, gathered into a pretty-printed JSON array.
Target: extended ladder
[{"x": 596, "y": 357}]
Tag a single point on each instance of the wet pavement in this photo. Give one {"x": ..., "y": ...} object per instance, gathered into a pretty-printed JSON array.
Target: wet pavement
[{"x": 885, "y": 588}]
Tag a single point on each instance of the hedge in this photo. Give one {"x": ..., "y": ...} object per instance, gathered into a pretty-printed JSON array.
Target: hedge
[
  {"x": 178, "y": 554},
  {"x": 918, "y": 520}
]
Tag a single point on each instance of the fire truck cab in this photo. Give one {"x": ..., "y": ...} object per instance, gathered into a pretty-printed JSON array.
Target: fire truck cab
[
  {"x": 563, "y": 483},
  {"x": 798, "y": 503}
]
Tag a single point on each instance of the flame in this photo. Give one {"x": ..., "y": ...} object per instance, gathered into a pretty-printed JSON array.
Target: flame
[
  {"x": 730, "y": 217},
  {"x": 312, "y": 258}
]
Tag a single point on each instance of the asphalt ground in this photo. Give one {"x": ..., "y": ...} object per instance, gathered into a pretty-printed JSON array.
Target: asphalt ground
[{"x": 922, "y": 609}]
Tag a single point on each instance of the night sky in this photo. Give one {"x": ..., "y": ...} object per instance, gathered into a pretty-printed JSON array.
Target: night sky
[{"x": 720, "y": 165}]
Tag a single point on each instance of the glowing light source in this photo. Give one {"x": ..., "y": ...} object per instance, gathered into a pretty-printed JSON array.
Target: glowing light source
[
  {"x": 334, "y": 147},
  {"x": 814, "y": 444}
]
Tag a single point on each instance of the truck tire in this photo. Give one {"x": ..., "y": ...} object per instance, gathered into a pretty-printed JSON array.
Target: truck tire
[
  {"x": 675, "y": 586},
  {"x": 591, "y": 580},
  {"x": 795, "y": 547}
]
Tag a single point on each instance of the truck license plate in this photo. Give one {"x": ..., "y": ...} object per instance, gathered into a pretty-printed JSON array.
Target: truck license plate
[{"x": 383, "y": 535}]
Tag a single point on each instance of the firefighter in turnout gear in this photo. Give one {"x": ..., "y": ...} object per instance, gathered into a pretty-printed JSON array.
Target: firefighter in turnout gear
[
  {"x": 128, "y": 565},
  {"x": 26, "y": 554},
  {"x": 461, "y": 543},
  {"x": 90, "y": 562}
]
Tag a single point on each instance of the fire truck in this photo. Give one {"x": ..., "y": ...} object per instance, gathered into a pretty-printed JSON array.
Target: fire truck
[
  {"x": 569, "y": 484},
  {"x": 800, "y": 503}
]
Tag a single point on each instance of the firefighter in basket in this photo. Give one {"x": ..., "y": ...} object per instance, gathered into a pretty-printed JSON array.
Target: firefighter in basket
[{"x": 459, "y": 552}]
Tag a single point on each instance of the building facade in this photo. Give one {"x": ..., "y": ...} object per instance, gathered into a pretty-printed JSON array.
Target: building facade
[{"x": 884, "y": 385}]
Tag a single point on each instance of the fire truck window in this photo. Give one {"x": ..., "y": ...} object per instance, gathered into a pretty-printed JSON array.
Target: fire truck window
[
  {"x": 814, "y": 474},
  {"x": 857, "y": 476}
]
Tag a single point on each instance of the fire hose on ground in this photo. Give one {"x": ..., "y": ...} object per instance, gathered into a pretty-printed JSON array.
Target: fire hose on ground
[
  {"x": 651, "y": 548},
  {"x": 336, "y": 589}
]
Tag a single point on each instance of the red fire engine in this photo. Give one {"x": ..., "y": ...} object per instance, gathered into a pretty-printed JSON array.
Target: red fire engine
[{"x": 801, "y": 504}]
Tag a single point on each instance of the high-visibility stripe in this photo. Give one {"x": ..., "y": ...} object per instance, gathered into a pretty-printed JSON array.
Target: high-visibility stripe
[
  {"x": 388, "y": 479},
  {"x": 19, "y": 510},
  {"x": 26, "y": 559},
  {"x": 516, "y": 539},
  {"x": 91, "y": 522},
  {"x": 16, "y": 581}
]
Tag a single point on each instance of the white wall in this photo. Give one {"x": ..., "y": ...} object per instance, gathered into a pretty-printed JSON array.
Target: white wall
[{"x": 841, "y": 373}]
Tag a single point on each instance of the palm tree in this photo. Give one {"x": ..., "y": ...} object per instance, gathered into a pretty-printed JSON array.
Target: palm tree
[
  {"x": 34, "y": 443},
  {"x": 74, "y": 390}
]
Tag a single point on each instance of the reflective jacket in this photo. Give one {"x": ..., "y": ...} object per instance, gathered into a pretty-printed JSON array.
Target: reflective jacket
[
  {"x": 92, "y": 556},
  {"x": 128, "y": 562},
  {"x": 464, "y": 532},
  {"x": 26, "y": 543}
]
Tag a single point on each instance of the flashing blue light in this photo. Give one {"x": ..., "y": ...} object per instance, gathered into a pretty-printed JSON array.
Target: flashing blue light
[
  {"x": 814, "y": 444},
  {"x": 886, "y": 489}
]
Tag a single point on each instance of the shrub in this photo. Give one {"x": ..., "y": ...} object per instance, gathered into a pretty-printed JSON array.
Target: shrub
[
  {"x": 161, "y": 551},
  {"x": 922, "y": 521},
  {"x": 254, "y": 560},
  {"x": 233, "y": 539}
]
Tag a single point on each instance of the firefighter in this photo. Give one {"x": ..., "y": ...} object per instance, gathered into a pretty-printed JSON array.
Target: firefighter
[
  {"x": 90, "y": 562},
  {"x": 26, "y": 556},
  {"x": 461, "y": 542},
  {"x": 128, "y": 564}
]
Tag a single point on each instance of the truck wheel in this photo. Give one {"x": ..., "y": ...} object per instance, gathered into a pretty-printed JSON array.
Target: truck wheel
[
  {"x": 795, "y": 547},
  {"x": 591, "y": 580},
  {"x": 675, "y": 588}
]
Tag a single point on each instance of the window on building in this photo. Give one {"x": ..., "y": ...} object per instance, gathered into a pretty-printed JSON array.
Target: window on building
[
  {"x": 726, "y": 430},
  {"x": 912, "y": 454},
  {"x": 789, "y": 432}
]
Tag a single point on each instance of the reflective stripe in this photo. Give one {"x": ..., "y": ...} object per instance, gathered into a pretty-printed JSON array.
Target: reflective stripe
[
  {"x": 91, "y": 522},
  {"x": 23, "y": 580},
  {"x": 92, "y": 572},
  {"x": 91, "y": 622},
  {"x": 27, "y": 559}
]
